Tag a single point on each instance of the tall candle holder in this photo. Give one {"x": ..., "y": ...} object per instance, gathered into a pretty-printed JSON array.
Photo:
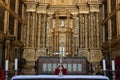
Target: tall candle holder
[
  {"x": 113, "y": 72},
  {"x": 16, "y": 72},
  {"x": 104, "y": 72},
  {"x": 113, "y": 69},
  {"x": 6, "y": 74}
]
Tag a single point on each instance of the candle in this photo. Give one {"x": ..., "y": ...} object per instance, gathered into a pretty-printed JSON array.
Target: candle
[
  {"x": 16, "y": 64},
  {"x": 104, "y": 65},
  {"x": 113, "y": 65},
  {"x": 6, "y": 65}
]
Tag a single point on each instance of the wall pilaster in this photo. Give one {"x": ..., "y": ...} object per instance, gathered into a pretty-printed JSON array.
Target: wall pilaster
[
  {"x": 6, "y": 18},
  {"x": 109, "y": 21},
  {"x": 33, "y": 40},
  {"x": 81, "y": 38},
  {"x": 39, "y": 31},
  {"x": 49, "y": 34},
  {"x": 44, "y": 29},
  {"x": 28, "y": 31},
  {"x": 86, "y": 30},
  {"x": 31, "y": 21},
  {"x": 16, "y": 20},
  {"x": 91, "y": 30},
  {"x": 97, "y": 31},
  {"x": 118, "y": 17}
]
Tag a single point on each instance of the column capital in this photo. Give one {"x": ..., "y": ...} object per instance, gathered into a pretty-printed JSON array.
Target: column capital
[
  {"x": 94, "y": 6},
  {"x": 31, "y": 6},
  {"x": 83, "y": 7},
  {"x": 42, "y": 8}
]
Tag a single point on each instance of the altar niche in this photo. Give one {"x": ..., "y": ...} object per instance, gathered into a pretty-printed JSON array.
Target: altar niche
[{"x": 74, "y": 65}]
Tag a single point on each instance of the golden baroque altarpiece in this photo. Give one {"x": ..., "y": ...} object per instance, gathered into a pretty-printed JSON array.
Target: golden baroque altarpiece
[{"x": 72, "y": 24}]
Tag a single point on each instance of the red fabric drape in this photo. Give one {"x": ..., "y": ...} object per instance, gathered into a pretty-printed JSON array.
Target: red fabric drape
[{"x": 64, "y": 71}]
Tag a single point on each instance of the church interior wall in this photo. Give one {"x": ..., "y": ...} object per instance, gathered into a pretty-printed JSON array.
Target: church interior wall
[{"x": 82, "y": 11}]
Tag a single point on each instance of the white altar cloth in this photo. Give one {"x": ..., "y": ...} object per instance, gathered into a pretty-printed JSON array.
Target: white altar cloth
[{"x": 28, "y": 77}]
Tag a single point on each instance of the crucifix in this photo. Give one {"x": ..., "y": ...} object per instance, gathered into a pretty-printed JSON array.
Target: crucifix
[{"x": 60, "y": 65}]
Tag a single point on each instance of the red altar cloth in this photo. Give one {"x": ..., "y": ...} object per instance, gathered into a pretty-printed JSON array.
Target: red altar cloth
[{"x": 57, "y": 70}]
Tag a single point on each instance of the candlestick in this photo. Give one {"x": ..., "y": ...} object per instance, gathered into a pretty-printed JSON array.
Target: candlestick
[
  {"x": 113, "y": 65},
  {"x": 16, "y": 64},
  {"x": 6, "y": 65},
  {"x": 104, "y": 65}
]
